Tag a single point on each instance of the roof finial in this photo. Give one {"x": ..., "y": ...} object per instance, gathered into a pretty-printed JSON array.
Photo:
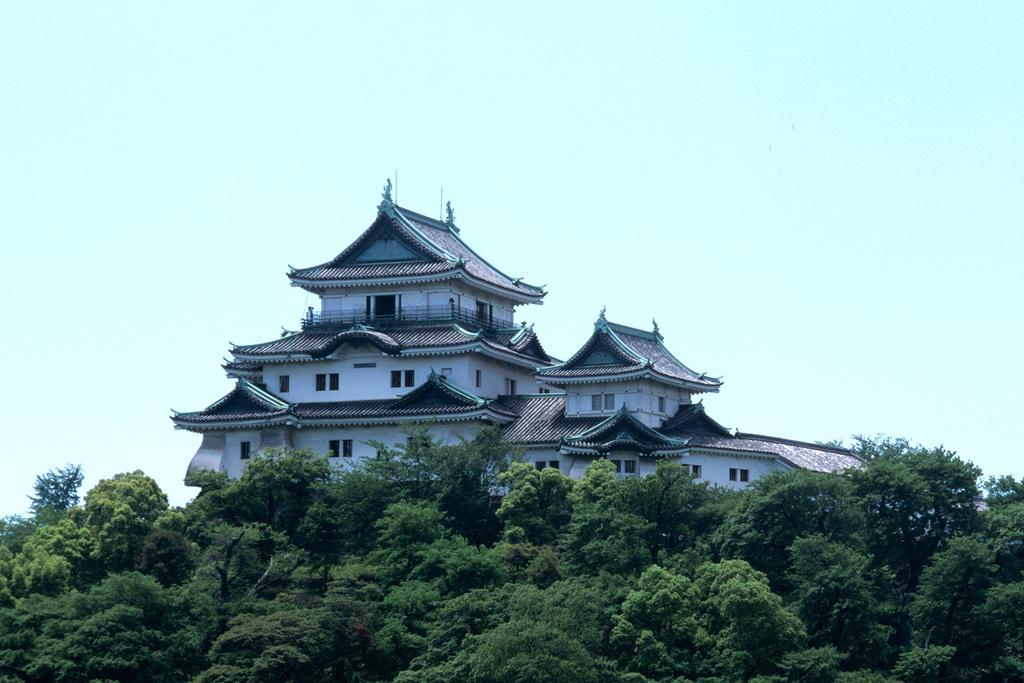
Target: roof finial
[
  {"x": 656, "y": 332},
  {"x": 385, "y": 198},
  {"x": 602, "y": 322},
  {"x": 449, "y": 217}
]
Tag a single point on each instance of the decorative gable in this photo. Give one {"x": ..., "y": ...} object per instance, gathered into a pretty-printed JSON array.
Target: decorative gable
[{"x": 385, "y": 249}]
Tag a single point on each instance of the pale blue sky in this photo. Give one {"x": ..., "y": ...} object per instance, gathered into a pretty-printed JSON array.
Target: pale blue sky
[{"x": 821, "y": 203}]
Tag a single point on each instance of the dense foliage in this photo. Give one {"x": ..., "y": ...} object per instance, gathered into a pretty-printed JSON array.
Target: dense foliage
[{"x": 410, "y": 568}]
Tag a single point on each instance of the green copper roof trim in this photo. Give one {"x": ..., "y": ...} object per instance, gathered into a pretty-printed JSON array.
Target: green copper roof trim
[
  {"x": 624, "y": 414},
  {"x": 458, "y": 238}
]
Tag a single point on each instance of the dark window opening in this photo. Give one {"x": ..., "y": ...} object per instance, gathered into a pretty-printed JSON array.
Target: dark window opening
[
  {"x": 396, "y": 378},
  {"x": 479, "y": 377},
  {"x": 346, "y": 448},
  {"x": 732, "y": 474},
  {"x": 618, "y": 466},
  {"x": 321, "y": 382},
  {"x": 609, "y": 401},
  {"x": 334, "y": 381},
  {"x": 385, "y": 306},
  {"x": 481, "y": 311},
  {"x": 553, "y": 463},
  {"x": 510, "y": 386},
  {"x": 410, "y": 378},
  {"x": 539, "y": 464},
  {"x": 244, "y": 450},
  {"x": 334, "y": 448},
  {"x": 630, "y": 466},
  {"x": 744, "y": 475},
  {"x": 364, "y": 365},
  {"x": 661, "y": 404},
  {"x": 695, "y": 471},
  {"x": 282, "y": 384}
]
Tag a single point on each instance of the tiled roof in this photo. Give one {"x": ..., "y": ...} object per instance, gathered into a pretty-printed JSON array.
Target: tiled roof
[
  {"x": 430, "y": 248},
  {"x": 623, "y": 431},
  {"x": 434, "y": 398},
  {"x": 619, "y": 351},
  {"x": 246, "y": 402},
  {"x": 521, "y": 342},
  {"x": 541, "y": 419},
  {"x": 694, "y": 425}
]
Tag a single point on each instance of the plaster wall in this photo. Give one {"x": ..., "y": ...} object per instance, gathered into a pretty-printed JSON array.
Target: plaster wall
[
  {"x": 365, "y": 383},
  {"x": 639, "y": 396}
]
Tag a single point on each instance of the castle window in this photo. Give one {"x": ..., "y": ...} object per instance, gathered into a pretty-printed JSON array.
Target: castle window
[
  {"x": 334, "y": 381},
  {"x": 321, "y": 382},
  {"x": 364, "y": 365},
  {"x": 695, "y": 471},
  {"x": 410, "y": 378},
  {"x": 629, "y": 466},
  {"x": 544, "y": 390},
  {"x": 244, "y": 450},
  {"x": 282, "y": 384},
  {"x": 553, "y": 464},
  {"x": 609, "y": 401},
  {"x": 661, "y": 404},
  {"x": 346, "y": 448},
  {"x": 539, "y": 464},
  {"x": 618, "y": 466},
  {"x": 595, "y": 402},
  {"x": 744, "y": 475},
  {"x": 384, "y": 306},
  {"x": 738, "y": 475},
  {"x": 510, "y": 386},
  {"x": 333, "y": 448},
  {"x": 733, "y": 473},
  {"x": 479, "y": 377},
  {"x": 481, "y": 311},
  {"x": 396, "y": 378}
]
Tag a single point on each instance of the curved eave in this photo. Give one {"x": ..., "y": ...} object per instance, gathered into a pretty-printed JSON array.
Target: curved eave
[
  {"x": 456, "y": 273},
  {"x": 640, "y": 373},
  {"x": 483, "y": 414},
  {"x": 511, "y": 358},
  {"x": 606, "y": 448}
]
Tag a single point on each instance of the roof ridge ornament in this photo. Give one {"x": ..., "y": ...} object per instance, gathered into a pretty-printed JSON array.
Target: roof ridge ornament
[
  {"x": 449, "y": 218},
  {"x": 386, "y": 203},
  {"x": 656, "y": 332},
  {"x": 602, "y": 321}
]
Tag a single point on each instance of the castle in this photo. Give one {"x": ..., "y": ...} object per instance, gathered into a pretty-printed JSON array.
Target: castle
[{"x": 414, "y": 327}]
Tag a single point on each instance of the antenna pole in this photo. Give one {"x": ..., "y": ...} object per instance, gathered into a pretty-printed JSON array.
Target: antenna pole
[
  {"x": 396, "y": 186},
  {"x": 440, "y": 206}
]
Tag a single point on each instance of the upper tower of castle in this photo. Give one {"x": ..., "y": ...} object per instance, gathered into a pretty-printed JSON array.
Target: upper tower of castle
[{"x": 407, "y": 267}]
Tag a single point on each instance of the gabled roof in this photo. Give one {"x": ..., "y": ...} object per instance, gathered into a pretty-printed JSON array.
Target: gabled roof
[
  {"x": 249, "y": 406},
  {"x": 622, "y": 431},
  {"x": 245, "y": 403},
  {"x": 518, "y": 346},
  {"x": 692, "y": 419},
  {"x": 616, "y": 352},
  {"x": 402, "y": 245},
  {"x": 692, "y": 423}
]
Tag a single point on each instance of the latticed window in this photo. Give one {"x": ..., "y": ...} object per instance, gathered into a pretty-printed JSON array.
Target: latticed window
[
  {"x": 595, "y": 402},
  {"x": 609, "y": 401}
]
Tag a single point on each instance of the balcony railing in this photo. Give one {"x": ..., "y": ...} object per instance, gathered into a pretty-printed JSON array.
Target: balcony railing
[{"x": 406, "y": 316}]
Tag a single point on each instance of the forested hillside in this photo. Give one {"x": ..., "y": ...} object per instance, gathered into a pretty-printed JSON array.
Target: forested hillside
[{"x": 408, "y": 568}]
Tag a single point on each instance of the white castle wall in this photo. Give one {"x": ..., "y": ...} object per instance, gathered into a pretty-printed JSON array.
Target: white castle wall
[
  {"x": 639, "y": 396},
  {"x": 358, "y": 384}
]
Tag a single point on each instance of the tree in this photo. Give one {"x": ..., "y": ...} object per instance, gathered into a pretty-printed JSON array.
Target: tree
[
  {"x": 777, "y": 509},
  {"x": 120, "y": 512},
  {"x": 167, "y": 556},
  {"x": 834, "y": 596},
  {"x": 536, "y": 501},
  {"x": 743, "y": 629},
  {"x": 952, "y": 588},
  {"x": 656, "y": 626},
  {"x": 673, "y": 503},
  {"x": 57, "y": 490}
]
